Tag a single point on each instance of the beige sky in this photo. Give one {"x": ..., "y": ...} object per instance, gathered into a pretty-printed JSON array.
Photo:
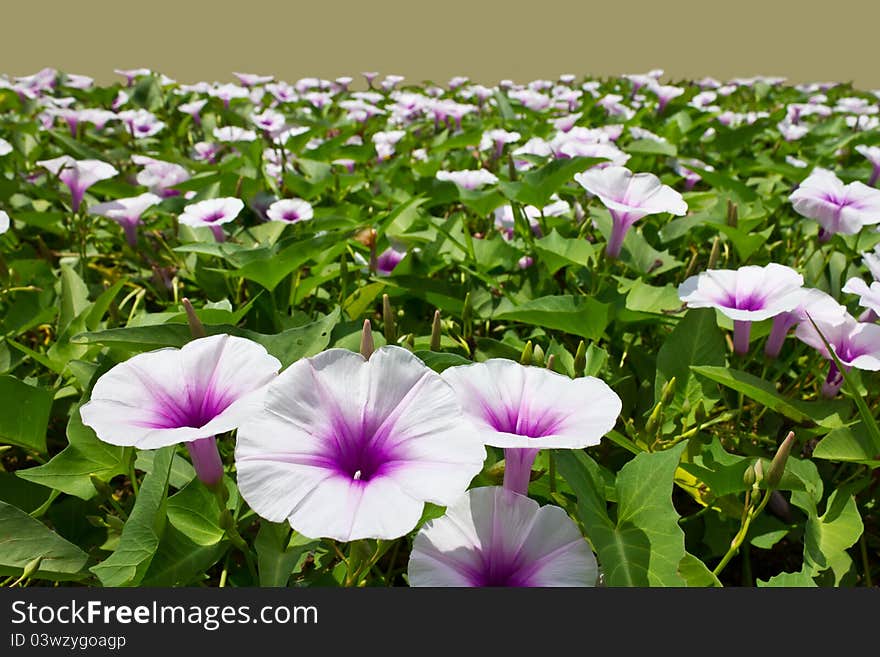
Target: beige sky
[{"x": 488, "y": 40}]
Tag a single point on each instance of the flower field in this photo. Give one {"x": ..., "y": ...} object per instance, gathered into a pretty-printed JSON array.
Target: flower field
[{"x": 369, "y": 332}]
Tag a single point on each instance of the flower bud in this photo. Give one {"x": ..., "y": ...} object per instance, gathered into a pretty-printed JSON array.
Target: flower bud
[
  {"x": 367, "y": 345},
  {"x": 749, "y": 477},
  {"x": 195, "y": 324},
  {"x": 777, "y": 466},
  {"x": 435, "y": 332},
  {"x": 580, "y": 359},
  {"x": 537, "y": 356},
  {"x": 527, "y": 354}
]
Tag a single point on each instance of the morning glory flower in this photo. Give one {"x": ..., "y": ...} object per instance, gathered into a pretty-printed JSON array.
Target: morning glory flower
[
  {"x": 252, "y": 79},
  {"x": 497, "y": 139},
  {"x": 469, "y": 178},
  {"x": 748, "y": 294},
  {"x": 228, "y": 92},
  {"x": 5, "y": 147},
  {"x": 350, "y": 448},
  {"x": 814, "y": 303},
  {"x": 5, "y": 223},
  {"x": 193, "y": 108},
  {"x": 290, "y": 210},
  {"x": 838, "y": 208},
  {"x": 212, "y": 213},
  {"x": 494, "y": 537},
  {"x": 385, "y": 142},
  {"x": 127, "y": 212},
  {"x": 856, "y": 344},
  {"x": 525, "y": 409},
  {"x": 629, "y": 197},
  {"x": 389, "y": 259},
  {"x": 141, "y": 123},
  {"x": 665, "y": 93},
  {"x": 872, "y": 154},
  {"x": 234, "y": 133},
  {"x": 186, "y": 395},
  {"x": 159, "y": 176},
  {"x": 269, "y": 120},
  {"x": 869, "y": 297},
  {"x": 78, "y": 175}
]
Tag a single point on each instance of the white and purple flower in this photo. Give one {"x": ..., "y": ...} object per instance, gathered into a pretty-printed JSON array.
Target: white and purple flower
[
  {"x": 212, "y": 213},
  {"x": 186, "y": 395},
  {"x": 526, "y": 409},
  {"x": 350, "y": 448},
  {"x": 494, "y": 537},
  {"x": 838, "y": 207},
  {"x": 745, "y": 295},
  {"x": 127, "y": 212},
  {"x": 629, "y": 197}
]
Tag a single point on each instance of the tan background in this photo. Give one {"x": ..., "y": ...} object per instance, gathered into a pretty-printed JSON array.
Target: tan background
[{"x": 194, "y": 40}]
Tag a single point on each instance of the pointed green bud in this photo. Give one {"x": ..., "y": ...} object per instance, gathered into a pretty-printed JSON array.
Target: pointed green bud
[
  {"x": 467, "y": 317},
  {"x": 436, "y": 327},
  {"x": 749, "y": 476},
  {"x": 367, "y": 345},
  {"x": 777, "y": 466},
  {"x": 30, "y": 569},
  {"x": 654, "y": 419},
  {"x": 759, "y": 471},
  {"x": 713, "y": 255},
  {"x": 551, "y": 361},
  {"x": 580, "y": 359},
  {"x": 527, "y": 353},
  {"x": 732, "y": 214},
  {"x": 390, "y": 327},
  {"x": 668, "y": 392},
  {"x": 195, "y": 324},
  {"x": 537, "y": 356}
]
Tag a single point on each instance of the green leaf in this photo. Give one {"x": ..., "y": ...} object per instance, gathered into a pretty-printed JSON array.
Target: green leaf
[
  {"x": 652, "y": 299},
  {"x": 850, "y": 444},
  {"x": 696, "y": 573},
  {"x": 789, "y": 580},
  {"x": 23, "y": 539},
  {"x": 538, "y": 186},
  {"x": 74, "y": 297},
  {"x": 439, "y": 361},
  {"x": 86, "y": 455},
  {"x": 825, "y": 413},
  {"x": 582, "y": 316},
  {"x": 180, "y": 562},
  {"x": 696, "y": 340},
  {"x": 827, "y": 537},
  {"x": 25, "y": 415},
  {"x": 142, "y": 531},
  {"x": 644, "y": 546},
  {"x": 287, "y": 346},
  {"x": 301, "y": 342},
  {"x": 557, "y": 252},
  {"x": 182, "y": 471},
  {"x": 651, "y": 147},
  {"x": 194, "y": 512},
  {"x": 279, "y": 550}
]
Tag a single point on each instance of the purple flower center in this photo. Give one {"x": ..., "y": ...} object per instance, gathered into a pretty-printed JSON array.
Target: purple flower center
[
  {"x": 360, "y": 452},
  {"x": 839, "y": 202},
  {"x": 214, "y": 216},
  {"x": 751, "y": 301},
  {"x": 521, "y": 421},
  {"x": 195, "y": 409},
  {"x": 290, "y": 215},
  {"x": 497, "y": 570}
]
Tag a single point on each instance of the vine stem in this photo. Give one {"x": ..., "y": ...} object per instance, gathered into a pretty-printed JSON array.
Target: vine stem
[{"x": 749, "y": 514}]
